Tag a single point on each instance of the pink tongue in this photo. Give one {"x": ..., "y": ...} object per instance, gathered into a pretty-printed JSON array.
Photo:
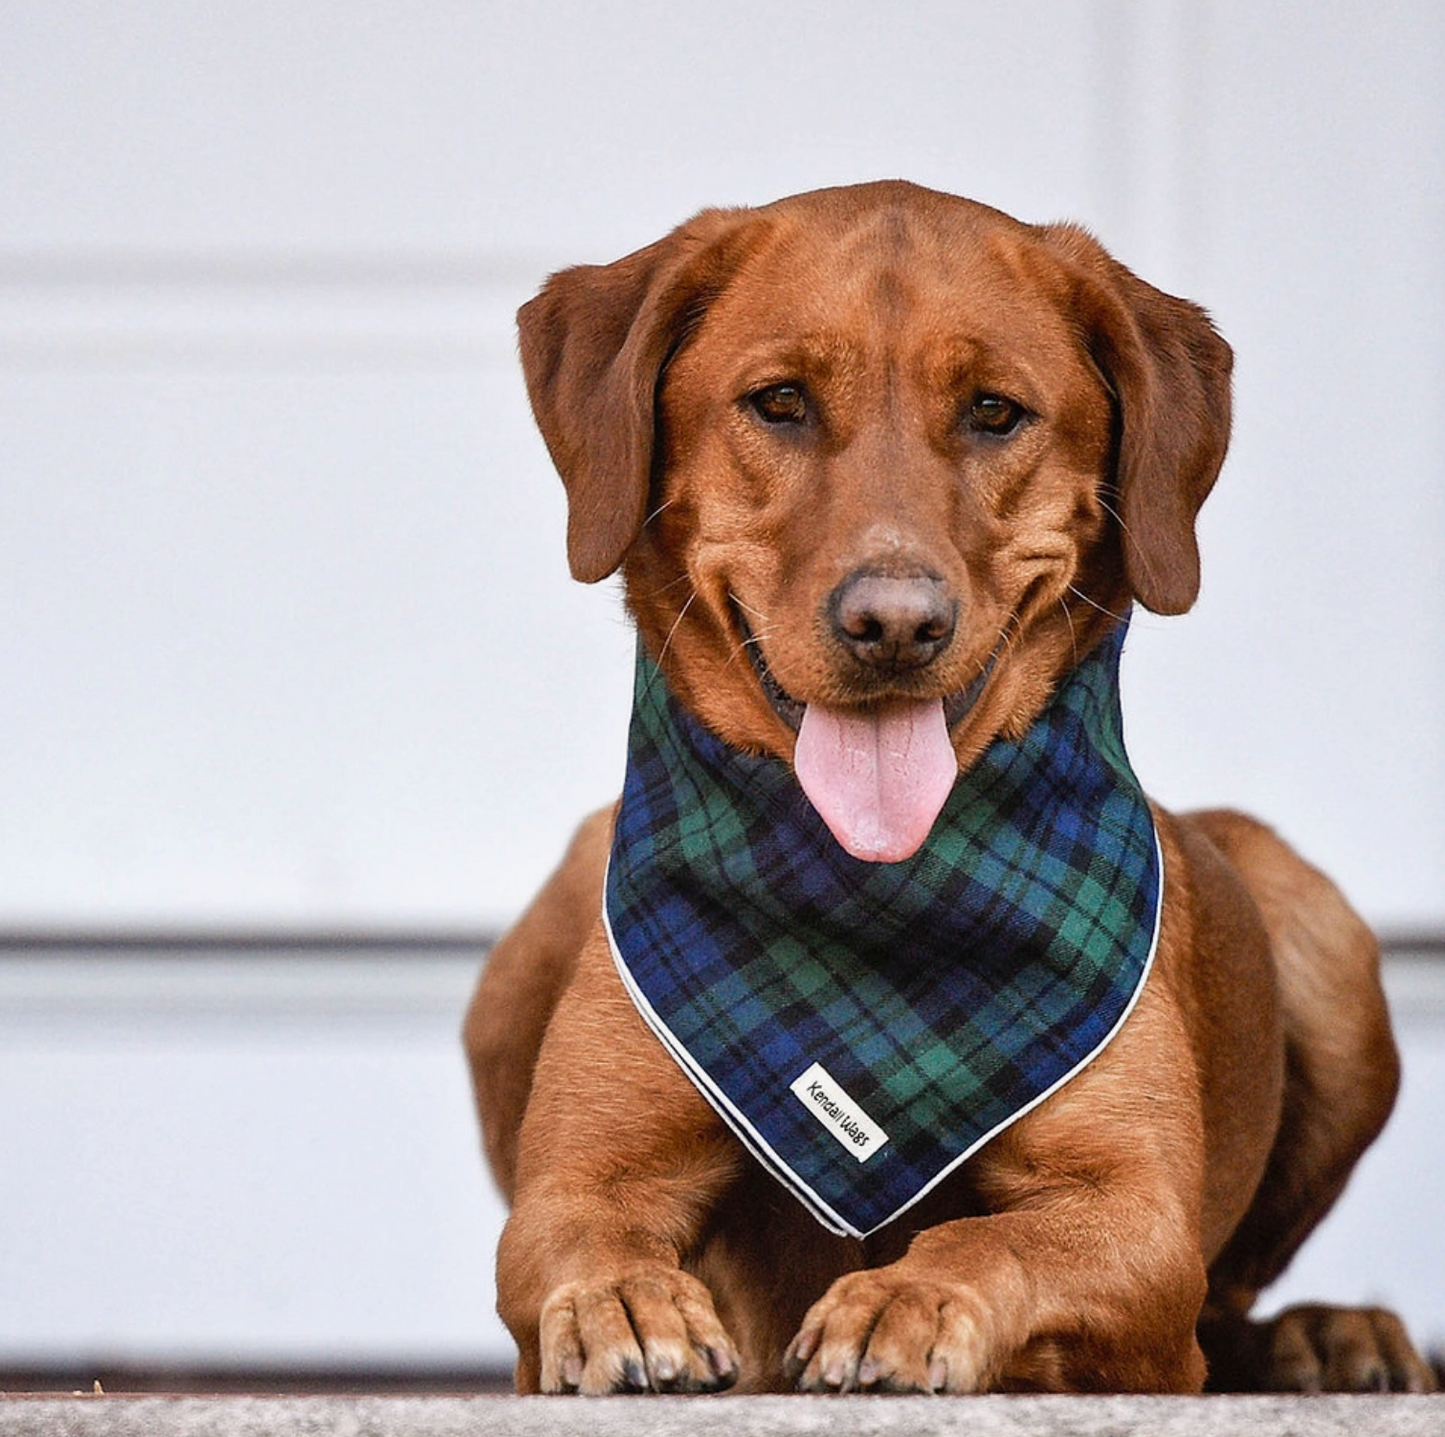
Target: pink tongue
[{"x": 877, "y": 780}]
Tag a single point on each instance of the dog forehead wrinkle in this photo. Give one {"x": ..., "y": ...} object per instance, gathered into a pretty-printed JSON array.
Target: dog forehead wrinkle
[
  {"x": 891, "y": 299},
  {"x": 811, "y": 354},
  {"x": 893, "y": 226},
  {"x": 810, "y": 279}
]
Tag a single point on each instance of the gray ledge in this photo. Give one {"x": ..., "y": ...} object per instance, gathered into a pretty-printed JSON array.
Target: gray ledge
[{"x": 106, "y": 1416}]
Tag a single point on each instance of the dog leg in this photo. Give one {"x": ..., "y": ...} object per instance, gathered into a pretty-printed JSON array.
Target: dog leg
[
  {"x": 520, "y": 984},
  {"x": 1085, "y": 1275},
  {"x": 1341, "y": 1077},
  {"x": 620, "y": 1164}
]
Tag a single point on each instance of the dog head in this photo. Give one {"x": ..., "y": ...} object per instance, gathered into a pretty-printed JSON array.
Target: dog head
[{"x": 879, "y": 464}]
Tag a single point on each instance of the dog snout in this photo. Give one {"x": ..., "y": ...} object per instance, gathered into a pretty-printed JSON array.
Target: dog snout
[{"x": 893, "y": 623}]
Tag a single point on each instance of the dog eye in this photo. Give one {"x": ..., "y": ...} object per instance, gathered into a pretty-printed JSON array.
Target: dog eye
[
  {"x": 995, "y": 415},
  {"x": 781, "y": 403}
]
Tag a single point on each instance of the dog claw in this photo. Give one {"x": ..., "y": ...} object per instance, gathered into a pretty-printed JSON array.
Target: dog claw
[
  {"x": 801, "y": 1351},
  {"x": 724, "y": 1366}
]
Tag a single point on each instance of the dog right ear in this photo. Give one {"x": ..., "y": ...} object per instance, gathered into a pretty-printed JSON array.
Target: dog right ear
[{"x": 594, "y": 344}]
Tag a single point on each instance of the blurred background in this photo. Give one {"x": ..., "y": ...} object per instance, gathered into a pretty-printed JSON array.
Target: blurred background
[{"x": 298, "y": 704}]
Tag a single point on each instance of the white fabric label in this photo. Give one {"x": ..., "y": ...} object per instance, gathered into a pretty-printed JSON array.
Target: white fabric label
[{"x": 837, "y": 1112}]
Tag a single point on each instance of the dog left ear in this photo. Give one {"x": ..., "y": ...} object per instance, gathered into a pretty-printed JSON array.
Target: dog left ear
[
  {"x": 1168, "y": 369},
  {"x": 594, "y": 344}
]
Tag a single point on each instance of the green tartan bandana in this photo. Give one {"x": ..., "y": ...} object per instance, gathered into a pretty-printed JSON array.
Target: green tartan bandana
[{"x": 865, "y": 1027}]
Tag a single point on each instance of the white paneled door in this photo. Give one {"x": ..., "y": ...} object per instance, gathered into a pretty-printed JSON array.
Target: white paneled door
[{"x": 287, "y": 641}]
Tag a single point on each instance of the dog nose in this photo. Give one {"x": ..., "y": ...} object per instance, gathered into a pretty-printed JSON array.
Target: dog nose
[{"x": 893, "y": 623}]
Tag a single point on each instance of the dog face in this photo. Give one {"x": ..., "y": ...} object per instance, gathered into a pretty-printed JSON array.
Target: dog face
[{"x": 879, "y": 464}]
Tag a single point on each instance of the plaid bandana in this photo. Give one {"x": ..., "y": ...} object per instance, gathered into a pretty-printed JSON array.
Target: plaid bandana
[{"x": 865, "y": 1027}]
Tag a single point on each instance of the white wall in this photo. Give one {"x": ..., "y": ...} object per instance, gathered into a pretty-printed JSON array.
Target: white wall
[
  {"x": 286, "y": 636},
  {"x": 269, "y": 1158},
  {"x": 1310, "y": 682},
  {"x": 246, "y": 1158}
]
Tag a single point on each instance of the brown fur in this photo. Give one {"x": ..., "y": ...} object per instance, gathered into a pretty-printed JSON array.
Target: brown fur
[{"x": 1099, "y": 1240}]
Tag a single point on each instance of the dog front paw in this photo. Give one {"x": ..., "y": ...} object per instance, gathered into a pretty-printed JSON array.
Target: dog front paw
[
  {"x": 651, "y": 1330},
  {"x": 885, "y": 1331}
]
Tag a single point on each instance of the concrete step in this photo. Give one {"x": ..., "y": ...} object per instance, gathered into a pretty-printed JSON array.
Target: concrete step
[{"x": 493, "y": 1416}]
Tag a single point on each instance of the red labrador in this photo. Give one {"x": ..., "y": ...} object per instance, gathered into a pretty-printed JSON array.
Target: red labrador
[{"x": 883, "y": 469}]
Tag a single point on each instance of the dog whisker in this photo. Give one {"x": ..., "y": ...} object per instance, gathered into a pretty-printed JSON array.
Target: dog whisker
[
  {"x": 1069, "y": 619},
  {"x": 656, "y": 512},
  {"x": 756, "y": 637},
  {"x": 753, "y": 634},
  {"x": 748, "y": 608},
  {"x": 753, "y": 641},
  {"x": 1141, "y": 553},
  {"x": 667, "y": 642},
  {"x": 681, "y": 615},
  {"x": 1006, "y": 634},
  {"x": 1113, "y": 513},
  {"x": 671, "y": 584},
  {"x": 1094, "y": 603}
]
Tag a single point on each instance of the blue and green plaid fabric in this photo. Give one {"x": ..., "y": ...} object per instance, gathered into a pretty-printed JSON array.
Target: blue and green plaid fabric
[{"x": 945, "y": 995}]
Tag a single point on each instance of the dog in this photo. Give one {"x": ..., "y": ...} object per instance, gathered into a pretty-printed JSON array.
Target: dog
[{"x": 884, "y": 471}]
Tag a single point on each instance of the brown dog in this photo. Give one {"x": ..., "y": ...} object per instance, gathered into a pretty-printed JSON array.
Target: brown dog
[{"x": 881, "y": 451}]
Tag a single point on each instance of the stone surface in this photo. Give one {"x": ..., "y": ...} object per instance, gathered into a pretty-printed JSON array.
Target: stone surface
[{"x": 105, "y": 1416}]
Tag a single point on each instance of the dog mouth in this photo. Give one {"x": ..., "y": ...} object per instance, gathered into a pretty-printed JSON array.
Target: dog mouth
[
  {"x": 787, "y": 708},
  {"x": 877, "y": 776},
  {"x": 956, "y": 706}
]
